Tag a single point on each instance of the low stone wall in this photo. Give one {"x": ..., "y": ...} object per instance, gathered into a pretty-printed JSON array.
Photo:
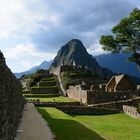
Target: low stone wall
[
  {"x": 44, "y": 90},
  {"x": 41, "y": 95},
  {"x": 11, "y": 102},
  {"x": 55, "y": 104},
  {"x": 131, "y": 111},
  {"x": 81, "y": 110},
  {"x": 118, "y": 104},
  {"x": 76, "y": 109}
]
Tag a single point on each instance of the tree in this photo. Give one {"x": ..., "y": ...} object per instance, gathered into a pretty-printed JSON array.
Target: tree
[{"x": 125, "y": 37}]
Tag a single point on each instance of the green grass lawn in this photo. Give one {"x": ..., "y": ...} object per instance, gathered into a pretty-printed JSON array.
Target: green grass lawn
[
  {"x": 82, "y": 127},
  {"x": 113, "y": 127},
  {"x": 54, "y": 99},
  {"x": 66, "y": 127}
]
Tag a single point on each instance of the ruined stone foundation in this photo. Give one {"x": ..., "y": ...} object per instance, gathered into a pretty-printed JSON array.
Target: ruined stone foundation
[{"x": 11, "y": 102}]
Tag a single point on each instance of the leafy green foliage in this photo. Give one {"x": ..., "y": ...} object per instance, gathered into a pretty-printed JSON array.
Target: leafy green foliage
[
  {"x": 126, "y": 37},
  {"x": 34, "y": 80},
  {"x": 36, "y": 77},
  {"x": 109, "y": 43},
  {"x": 66, "y": 80}
]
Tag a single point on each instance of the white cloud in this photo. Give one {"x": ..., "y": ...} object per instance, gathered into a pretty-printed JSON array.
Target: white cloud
[
  {"x": 96, "y": 49},
  {"x": 50, "y": 23},
  {"x": 20, "y": 18},
  {"x": 25, "y": 56}
]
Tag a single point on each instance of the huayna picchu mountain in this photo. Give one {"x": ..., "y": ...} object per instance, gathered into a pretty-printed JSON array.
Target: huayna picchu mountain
[{"x": 74, "y": 53}]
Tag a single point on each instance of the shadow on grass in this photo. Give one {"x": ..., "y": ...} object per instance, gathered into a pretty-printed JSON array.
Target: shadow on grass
[{"x": 68, "y": 129}]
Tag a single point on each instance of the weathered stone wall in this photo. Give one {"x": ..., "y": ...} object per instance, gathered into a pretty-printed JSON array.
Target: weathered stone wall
[
  {"x": 131, "y": 111},
  {"x": 119, "y": 104},
  {"x": 83, "y": 110},
  {"x": 78, "y": 94},
  {"x": 68, "y": 68},
  {"x": 55, "y": 104},
  {"x": 11, "y": 102},
  {"x": 76, "y": 109},
  {"x": 75, "y": 92},
  {"x": 94, "y": 97},
  {"x": 44, "y": 90}
]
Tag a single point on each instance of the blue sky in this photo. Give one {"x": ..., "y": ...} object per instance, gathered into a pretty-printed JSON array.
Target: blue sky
[{"x": 32, "y": 31}]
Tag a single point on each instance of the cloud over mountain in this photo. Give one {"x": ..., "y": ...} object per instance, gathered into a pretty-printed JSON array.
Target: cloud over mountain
[{"x": 47, "y": 25}]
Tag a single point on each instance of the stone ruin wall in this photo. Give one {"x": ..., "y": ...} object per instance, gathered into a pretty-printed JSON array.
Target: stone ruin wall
[
  {"x": 39, "y": 90},
  {"x": 131, "y": 111},
  {"x": 94, "y": 97},
  {"x": 11, "y": 102},
  {"x": 119, "y": 104},
  {"x": 77, "y": 93},
  {"x": 84, "y": 110},
  {"x": 67, "y": 68}
]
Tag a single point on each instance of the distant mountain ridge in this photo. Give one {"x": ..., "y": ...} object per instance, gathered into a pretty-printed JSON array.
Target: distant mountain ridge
[
  {"x": 44, "y": 65},
  {"x": 115, "y": 62},
  {"x": 74, "y": 53},
  {"x": 118, "y": 63}
]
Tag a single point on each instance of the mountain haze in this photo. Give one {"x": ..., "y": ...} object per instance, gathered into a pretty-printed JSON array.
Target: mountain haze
[
  {"x": 44, "y": 65},
  {"x": 118, "y": 63}
]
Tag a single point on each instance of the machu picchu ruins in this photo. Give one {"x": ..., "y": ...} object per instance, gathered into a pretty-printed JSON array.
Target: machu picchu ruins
[{"x": 69, "y": 70}]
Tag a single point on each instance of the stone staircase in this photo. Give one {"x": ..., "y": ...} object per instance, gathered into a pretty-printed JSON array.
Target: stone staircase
[{"x": 47, "y": 85}]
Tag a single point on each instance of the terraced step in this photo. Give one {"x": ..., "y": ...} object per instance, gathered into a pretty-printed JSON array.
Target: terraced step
[
  {"x": 49, "y": 79},
  {"x": 44, "y": 90},
  {"x": 46, "y": 83},
  {"x": 40, "y": 95}
]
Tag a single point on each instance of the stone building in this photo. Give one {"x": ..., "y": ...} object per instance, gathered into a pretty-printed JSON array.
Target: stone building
[
  {"x": 87, "y": 96},
  {"x": 119, "y": 83},
  {"x": 120, "y": 86}
]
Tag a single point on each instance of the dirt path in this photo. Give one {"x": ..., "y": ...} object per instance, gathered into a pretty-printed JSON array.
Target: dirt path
[{"x": 32, "y": 126}]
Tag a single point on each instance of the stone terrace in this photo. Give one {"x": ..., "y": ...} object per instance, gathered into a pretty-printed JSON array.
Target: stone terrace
[{"x": 46, "y": 86}]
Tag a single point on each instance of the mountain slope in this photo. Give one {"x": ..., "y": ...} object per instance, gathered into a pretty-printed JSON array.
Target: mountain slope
[
  {"x": 74, "y": 53},
  {"x": 44, "y": 65},
  {"x": 118, "y": 63}
]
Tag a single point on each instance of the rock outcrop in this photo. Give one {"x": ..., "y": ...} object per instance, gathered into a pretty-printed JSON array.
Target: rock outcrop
[
  {"x": 11, "y": 102},
  {"x": 75, "y": 54}
]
